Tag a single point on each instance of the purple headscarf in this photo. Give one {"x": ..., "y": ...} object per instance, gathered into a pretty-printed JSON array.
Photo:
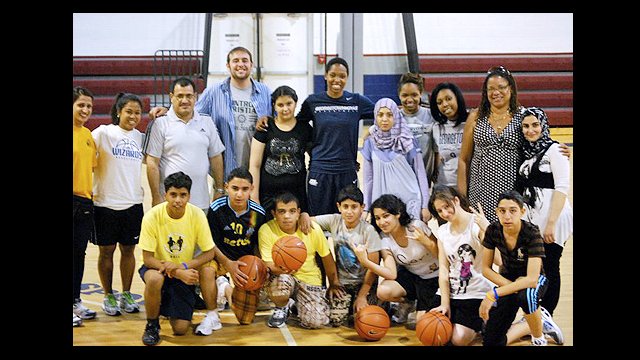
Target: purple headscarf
[{"x": 399, "y": 138}]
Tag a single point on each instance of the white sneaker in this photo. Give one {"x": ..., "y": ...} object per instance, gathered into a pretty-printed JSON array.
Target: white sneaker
[
  {"x": 83, "y": 312},
  {"x": 127, "y": 303},
  {"x": 538, "y": 342},
  {"x": 549, "y": 327},
  {"x": 280, "y": 315},
  {"x": 76, "y": 320},
  {"x": 210, "y": 323},
  {"x": 222, "y": 283},
  {"x": 110, "y": 305}
]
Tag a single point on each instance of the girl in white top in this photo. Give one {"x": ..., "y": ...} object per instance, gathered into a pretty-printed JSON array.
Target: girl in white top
[
  {"x": 409, "y": 243},
  {"x": 462, "y": 285},
  {"x": 117, "y": 183},
  {"x": 544, "y": 179},
  {"x": 118, "y": 197},
  {"x": 449, "y": 111}
]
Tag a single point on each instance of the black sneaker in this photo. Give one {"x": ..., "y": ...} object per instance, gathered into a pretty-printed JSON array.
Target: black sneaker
[{"x": 151, "y": 334}]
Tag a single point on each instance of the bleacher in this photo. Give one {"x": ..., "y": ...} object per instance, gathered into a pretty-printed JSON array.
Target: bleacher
[
  {"x": 149, "y": 77},
  {"x": 544, "y": 80}
]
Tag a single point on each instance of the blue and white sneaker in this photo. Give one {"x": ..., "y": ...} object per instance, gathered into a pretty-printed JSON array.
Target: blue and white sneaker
[
  {"x": 83, "y": 312},
  {"x": 110, "y": 305},
  {"x": 76, "y": 320},
  {"x": 538, "y": 342},
  {"x": 127, "y": 304},
  {"x": 549, "y": 327},
  {"x": 279, "y": 316}
]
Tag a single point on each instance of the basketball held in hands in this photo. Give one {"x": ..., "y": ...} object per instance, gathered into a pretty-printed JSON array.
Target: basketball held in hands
[
  {"x": 289, "y": 253},
  {"x": 255, "y": 269}
]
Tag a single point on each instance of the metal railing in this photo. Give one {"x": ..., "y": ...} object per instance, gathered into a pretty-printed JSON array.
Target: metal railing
[{"x": 169, "y": 65}]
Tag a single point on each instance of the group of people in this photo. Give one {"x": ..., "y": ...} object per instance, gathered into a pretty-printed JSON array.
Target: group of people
[{"x": 418, "y": 163}]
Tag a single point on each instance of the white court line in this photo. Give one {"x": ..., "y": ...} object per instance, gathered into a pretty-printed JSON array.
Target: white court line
[{"x": 287, "y": 336}]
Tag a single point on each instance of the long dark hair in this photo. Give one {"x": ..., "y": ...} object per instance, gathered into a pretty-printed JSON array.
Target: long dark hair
[
  {"x": 462, "y": 106},
  {"x": 394, "y": 206},
  {"x": 485, "y": 106}
]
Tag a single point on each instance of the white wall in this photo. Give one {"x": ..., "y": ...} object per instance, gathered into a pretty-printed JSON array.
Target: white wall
[
  {"x": 493, "y": 33},
  {"x": 136, "y": 34},
  {"x": 143, "y": 34},
  {"x": 456, "y": 33}
]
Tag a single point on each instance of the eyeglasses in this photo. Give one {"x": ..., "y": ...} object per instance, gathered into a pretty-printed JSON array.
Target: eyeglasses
[
  {"x": 499, "y": 69},
  {"x": 185, "y": 96},
  {"x": 501, "y": 88}
]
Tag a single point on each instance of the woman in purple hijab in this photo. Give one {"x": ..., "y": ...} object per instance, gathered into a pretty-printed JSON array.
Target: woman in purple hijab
[{"x": 393, "y": 162}]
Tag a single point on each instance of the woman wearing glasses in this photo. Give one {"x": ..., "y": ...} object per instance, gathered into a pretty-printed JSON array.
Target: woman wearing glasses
[{"x": 492, "y": 142}]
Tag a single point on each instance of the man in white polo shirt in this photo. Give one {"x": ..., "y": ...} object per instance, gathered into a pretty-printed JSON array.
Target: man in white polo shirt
[{"x": 184, "y": 140}]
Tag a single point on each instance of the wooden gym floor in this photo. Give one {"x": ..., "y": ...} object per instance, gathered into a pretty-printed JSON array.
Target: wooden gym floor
[{"x": 127, "y": 329}]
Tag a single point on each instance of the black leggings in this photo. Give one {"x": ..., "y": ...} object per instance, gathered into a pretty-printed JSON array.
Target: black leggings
[
  {"x": 83, "y": 232},
  {"x": 501, "y": 317},
  {"x": 551, "y": 264}
]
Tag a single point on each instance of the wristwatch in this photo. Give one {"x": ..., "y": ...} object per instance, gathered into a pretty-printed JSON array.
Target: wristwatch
[{"x": 220, "y": 191}]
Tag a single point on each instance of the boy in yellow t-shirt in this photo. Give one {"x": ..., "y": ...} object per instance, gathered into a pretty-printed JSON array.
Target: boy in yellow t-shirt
[
  {"x": 170, "y": 233},
  {"x": 305, "y": 284}
]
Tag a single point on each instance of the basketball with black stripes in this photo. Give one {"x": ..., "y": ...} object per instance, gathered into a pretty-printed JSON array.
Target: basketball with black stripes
[
  {"x": 434, "y": 329},
  {"x": 372, "y": 322},
  {"x": 255, "y": 269},
  {"x": 289, "y": 253}
]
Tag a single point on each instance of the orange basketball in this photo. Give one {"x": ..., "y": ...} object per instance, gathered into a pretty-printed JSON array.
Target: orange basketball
[
  {"x": 434, "y": 329},
  {"x": 289, "y": 253},
  {"x": 255, "y": 269},
  {"x": 372, "y": 322}
]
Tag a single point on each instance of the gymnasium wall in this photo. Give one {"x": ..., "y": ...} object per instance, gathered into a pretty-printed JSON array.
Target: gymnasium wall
[
  {"x": 384, "y": 47},
  {"x": 142, "y": 34}
]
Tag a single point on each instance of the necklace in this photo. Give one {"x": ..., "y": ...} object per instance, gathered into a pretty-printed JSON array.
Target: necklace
[{"x": 499, "y": 121}]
